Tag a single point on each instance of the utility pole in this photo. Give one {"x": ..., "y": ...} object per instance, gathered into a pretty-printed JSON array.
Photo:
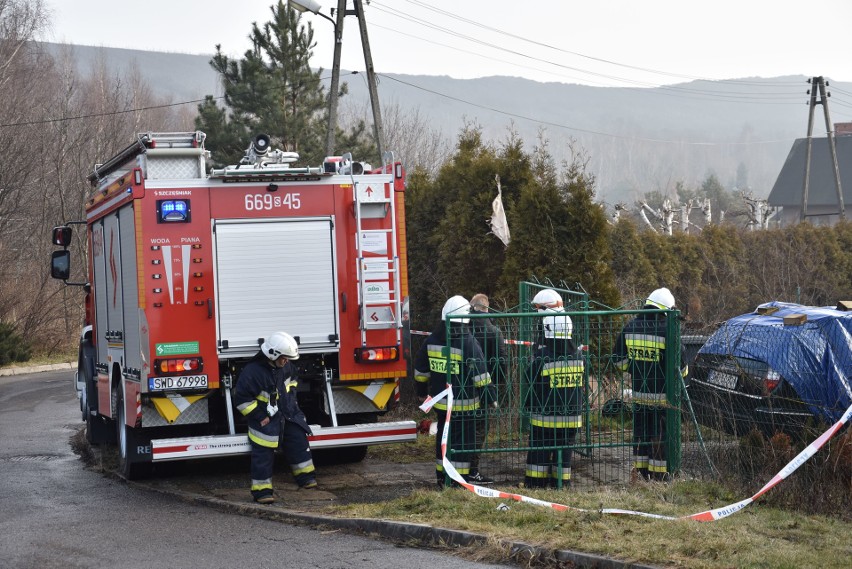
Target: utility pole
[
  {"x": 358, "y": 11},
  {"x": 371, "y": 79},
  {"x": 819, "y": 84},
  {"x": 335, "y": 79}
]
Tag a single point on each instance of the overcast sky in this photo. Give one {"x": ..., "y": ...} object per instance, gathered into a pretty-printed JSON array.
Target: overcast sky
[{"x": 596, "y": 42}]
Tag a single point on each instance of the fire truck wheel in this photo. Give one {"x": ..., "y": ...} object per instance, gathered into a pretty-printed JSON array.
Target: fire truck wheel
[
  {"x": 86, "y": 370},
  {"x": 351, "y": 454},
  {"x": 84, "y": 404},
  {"x": 126, "y": 440}
]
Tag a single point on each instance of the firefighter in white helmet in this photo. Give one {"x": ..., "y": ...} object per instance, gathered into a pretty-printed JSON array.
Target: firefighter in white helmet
[
  {"x": 547, "y": 299},
  {"x": 266, "y": 395},
  {"x": 554, "y": 403},
  {"x": 453, "y": 356},
  {"x": 641, "y": 351}
]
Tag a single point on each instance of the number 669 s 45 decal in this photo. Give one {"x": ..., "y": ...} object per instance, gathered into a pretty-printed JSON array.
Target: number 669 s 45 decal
[{"x": 259, "y": 202}]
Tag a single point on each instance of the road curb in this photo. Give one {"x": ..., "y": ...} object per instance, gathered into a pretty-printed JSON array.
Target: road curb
[
  {"x": 405, "y": 532},
  {"x": 402, "y": 532},
  {"x": 7, "y": 371}
]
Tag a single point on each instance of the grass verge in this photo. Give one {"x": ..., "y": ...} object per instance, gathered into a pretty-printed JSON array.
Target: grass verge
[
  {"x": 45, "y": 359},
  {"x": 758, "y": 536}
]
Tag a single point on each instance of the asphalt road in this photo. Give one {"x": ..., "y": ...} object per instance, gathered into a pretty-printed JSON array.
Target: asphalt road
[{"x": 57, "y": 513}]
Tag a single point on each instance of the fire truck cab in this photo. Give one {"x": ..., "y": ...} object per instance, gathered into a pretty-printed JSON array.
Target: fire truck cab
[{"x": 188, "y": 270}]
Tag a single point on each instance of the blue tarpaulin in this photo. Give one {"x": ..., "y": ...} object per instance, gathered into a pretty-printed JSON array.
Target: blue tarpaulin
[{"x": 814, "y": 357}]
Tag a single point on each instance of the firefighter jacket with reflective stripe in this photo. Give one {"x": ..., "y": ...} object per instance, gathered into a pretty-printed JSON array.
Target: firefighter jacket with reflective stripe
[
  {"x": 261, "y": 385},
  {"x": 556, "y": 382},
  {"x": 463, "y": 359},
  {"x": 641, "y": 351}
]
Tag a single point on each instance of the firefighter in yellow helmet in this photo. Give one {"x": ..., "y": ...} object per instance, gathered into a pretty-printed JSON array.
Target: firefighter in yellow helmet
[
  {"x": 266, "y": 395},
  {"x": 641, "y": 351}
]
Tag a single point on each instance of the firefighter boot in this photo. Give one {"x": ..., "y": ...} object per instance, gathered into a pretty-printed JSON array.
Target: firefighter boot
[
  {"x": 477, "y": 478},
  {"x": 265, "y": 498}
]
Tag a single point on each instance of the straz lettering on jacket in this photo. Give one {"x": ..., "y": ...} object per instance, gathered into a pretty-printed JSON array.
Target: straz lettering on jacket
[
  {"x": 644, "y": 348},
  {"x": 438, "y": 359},
  {"x": 564, "y": 374}
]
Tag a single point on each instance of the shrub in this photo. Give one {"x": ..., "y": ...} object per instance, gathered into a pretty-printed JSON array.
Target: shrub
[
  {"x": 821, "y": 485},
  {"x": 13, "y": 348}
]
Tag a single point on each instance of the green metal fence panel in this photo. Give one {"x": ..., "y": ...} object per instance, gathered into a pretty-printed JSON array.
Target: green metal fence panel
[
  {"x": 728, "y": 417},
  {"x": 559, "y": 412}
]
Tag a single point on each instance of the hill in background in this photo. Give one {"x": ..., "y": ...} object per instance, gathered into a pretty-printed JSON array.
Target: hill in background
[{"x": 636, "y": 140}]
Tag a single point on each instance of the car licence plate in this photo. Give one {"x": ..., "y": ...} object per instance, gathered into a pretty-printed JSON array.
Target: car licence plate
[
  {"x": 181, "y": 382},
  {"x": 722, "y": 379}
]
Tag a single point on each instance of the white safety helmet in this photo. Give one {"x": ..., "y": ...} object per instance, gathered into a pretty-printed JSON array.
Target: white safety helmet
[
  {"x": 456, "y": 305},
  {"x": 280, "y": 344},
  {"x": 557, "y": 326},
  {"x": 661, "y": 298},
  {"x": 547, "y": 299}
]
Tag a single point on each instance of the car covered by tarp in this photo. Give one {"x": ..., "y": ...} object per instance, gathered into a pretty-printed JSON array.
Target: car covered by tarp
[{"x": 809, "y": 347}]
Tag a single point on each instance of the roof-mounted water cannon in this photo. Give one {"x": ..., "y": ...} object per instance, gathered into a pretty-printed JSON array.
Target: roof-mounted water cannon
[
  {"x": 259, "y": 146},
  {"x": 259, "y": 154},
  {"x": 261, "y": 162},
  {"x": 347, "y": 167}
]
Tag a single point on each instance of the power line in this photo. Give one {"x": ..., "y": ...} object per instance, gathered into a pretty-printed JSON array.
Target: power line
[
  {"x": 434, "y": 26},
  {"x": 541, "y": 44},
  {"x": 774, "y": 97},
  {"x": 421, "y": 88},
  {"x": 125, "y": 111},
  {"x": 668, "y": 90},
  {"x": 577, "y": 129},
  {"x": 105, "y": 114}
]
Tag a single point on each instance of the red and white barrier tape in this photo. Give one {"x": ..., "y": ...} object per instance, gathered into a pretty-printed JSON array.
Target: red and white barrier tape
[
  {"x": 510, "y": 342},
  {"x": 707, "y": 516}
]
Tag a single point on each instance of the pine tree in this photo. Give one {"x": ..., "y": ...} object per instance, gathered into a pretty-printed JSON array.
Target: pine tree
[
  {"x": 454, "y": 251},
  {"x": 590, "y": 258},
  {"x": 271, "y": 90},
  {"x": 423, "y": 207},
  {"x": 634, "y": 274},
  {"x": 559, "y": 233}
]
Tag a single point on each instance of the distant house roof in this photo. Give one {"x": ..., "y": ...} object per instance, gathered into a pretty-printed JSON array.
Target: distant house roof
[{"x": 787, "y": 190}]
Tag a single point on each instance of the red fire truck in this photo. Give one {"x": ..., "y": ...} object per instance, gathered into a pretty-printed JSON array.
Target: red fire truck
[{"x": 188, "y": 270}]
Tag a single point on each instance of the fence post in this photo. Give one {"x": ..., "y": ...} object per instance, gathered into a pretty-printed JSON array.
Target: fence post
[{"x": 673, "y": 391}]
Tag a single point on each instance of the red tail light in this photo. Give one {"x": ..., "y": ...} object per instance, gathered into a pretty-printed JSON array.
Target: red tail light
[
  {"x": 771, "y": 381},
  {"x": 178, "y": 365},
  {"x": 375, "y": 355}
]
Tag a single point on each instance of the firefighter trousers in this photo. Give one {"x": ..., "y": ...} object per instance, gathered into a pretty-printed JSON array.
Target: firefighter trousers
[
  {"x": 482, "y": 426},
  {"x": 461, "y": 442},
  {"x": 297, "y": 452},
  {"x": 649, "y": 441},
  {"x": 544, "y": 467}
]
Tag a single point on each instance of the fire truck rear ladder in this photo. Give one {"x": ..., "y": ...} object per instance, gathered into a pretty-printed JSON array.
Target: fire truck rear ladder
[{"x": 380, "y": 309}]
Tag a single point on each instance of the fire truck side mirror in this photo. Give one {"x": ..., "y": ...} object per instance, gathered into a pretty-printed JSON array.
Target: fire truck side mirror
[
  {"x": 62, "y": 236},
  {"x": 60, "y": 264}
]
